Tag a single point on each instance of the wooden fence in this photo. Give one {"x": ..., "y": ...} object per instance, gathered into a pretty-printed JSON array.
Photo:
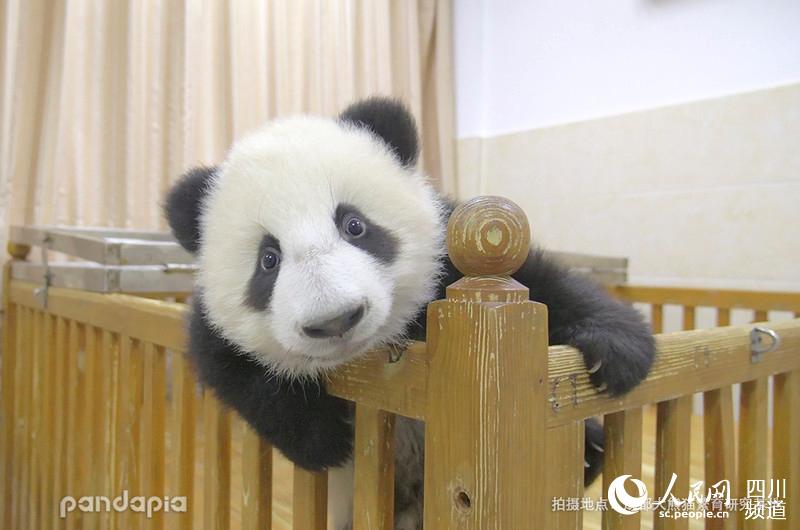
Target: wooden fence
[{"x": 97, "y": 399}]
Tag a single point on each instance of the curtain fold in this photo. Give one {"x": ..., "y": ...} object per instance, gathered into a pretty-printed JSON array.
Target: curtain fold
[{"x": 103, "y": 104}]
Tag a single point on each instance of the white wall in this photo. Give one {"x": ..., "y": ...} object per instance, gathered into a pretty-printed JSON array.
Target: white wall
[{"x": 524, "y": 64}]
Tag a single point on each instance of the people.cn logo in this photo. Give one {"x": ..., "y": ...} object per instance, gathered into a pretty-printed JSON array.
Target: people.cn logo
[{"x": 619, "y": 499}]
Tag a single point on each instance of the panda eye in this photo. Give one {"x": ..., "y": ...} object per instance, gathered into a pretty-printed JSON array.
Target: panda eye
[
  {"x": 270, "y": 260},
  {"x": 353, "y": 226}
]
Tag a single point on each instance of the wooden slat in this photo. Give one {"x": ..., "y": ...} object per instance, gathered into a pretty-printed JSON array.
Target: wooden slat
[
  {"x": 217, "y": 479},
  {"x": 75, "y": 420},
  {"x": 565, "y": 470},
  {"x": 92, "y": 444},
  {"x": 129, "y": 411},
  {"x": 61, "y": 411},
  {"x": 183, "y": 402},
  {"x": 720, "y": 450},
  {"x": 373, "y": 506},
  {"x": 673, "y": 441},
  {"x": 256, "y": 480},
  {"x": 688, "y": 318},
  {"x": 153, "y": 428},
  {"x": 110, "y": 350},
  {"x": 786, "y": 457},
  {"x": 761, "y": 315},
  {"x": 400, "y": 387},
  {"x": 686, "y": 362},
  {"x": 47, "y": 448},
  {"x": 752, "y": 443},
  {"x": 723, "y": 316},
  {"x": 20, "y": 376},
  {"x": 309, "y": 500},
  {"x": 27, "y": 417},
  {"x": 623, "y": 456},
  {"x": 9, "y": 397},
  {"x": 35, "y": 416},
  {"x": 658, "y": 318},
  {"x": 727, "y": 298}
]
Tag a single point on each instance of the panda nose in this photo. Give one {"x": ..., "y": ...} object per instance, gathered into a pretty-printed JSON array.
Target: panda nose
[{"x": 336, "y": 326}]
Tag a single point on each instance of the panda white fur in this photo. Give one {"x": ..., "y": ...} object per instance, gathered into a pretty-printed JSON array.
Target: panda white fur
[{"x": 319, "y": 239}]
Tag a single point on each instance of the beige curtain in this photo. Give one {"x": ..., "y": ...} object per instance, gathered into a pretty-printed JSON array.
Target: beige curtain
[{"x": 104, "y": 103}]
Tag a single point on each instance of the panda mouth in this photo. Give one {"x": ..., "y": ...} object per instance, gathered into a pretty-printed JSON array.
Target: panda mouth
[{"x": 344, "y": 351}]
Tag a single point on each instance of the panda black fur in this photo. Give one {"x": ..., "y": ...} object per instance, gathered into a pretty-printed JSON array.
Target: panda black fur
[{"x": 318, "y": 240}]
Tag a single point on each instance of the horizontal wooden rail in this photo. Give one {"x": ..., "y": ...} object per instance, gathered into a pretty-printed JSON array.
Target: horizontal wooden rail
[
  {"x": 686, "y": 362},
  {"x": 400, "y": 387},
  {"x": 155, "y": 321},
  {"x": 682, "y": 365},
  {"x": 719, "y": 298}
]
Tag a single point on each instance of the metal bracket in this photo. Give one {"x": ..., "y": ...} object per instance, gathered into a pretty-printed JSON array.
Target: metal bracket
[
  {"x": 41, "y": 293},
  {"x": 759, "y": 344}
]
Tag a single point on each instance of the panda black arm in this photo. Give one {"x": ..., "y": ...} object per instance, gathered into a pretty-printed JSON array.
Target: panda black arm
[
  {"x": 582, "y": 315},
  {"x": 308, "y": 425}
]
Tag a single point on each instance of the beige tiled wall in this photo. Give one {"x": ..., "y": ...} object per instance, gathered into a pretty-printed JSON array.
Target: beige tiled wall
[{"x": 705, "y": 193}]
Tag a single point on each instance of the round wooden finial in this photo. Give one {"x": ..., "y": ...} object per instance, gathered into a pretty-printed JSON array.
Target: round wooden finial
[
  {"x": 18, "y": 250},
  {"x": 488, "y": 236}
]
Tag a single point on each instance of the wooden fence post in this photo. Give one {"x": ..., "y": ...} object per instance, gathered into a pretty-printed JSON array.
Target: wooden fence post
[{"x": 485, "y": 423}]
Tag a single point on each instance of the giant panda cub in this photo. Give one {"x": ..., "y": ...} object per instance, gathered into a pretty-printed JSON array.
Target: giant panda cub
[{"x": 319, "y": 239}]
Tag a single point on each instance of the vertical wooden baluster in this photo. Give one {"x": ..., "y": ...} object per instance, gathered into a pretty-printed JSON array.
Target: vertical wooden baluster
[
  {"x": 14, "y": 350},
  {"x": 110, "y": 352},
  {"x": 129, "y": 405},
  {"x": 719, "y": 442},
  {"x": 35, "y": 416},
  {"x": 256, "y": 480},
  {"x": 488, "y": 348},
  {"x": 7, "y": 429},
  {"x": 673, "y": 444},
  {"x": 47, "y": 448},
  {"x": 217, "y": 478},
  {"x": 24, "y": 384},
  {"x": 657, "y": 317},
  {"x": 20, "y": 375},
  {"x": 183, "y": 401},
  {"x": 34, "y": 419},
  {"x": 723, "y": 316},
  {"x": 623, "y": 456},
  {"x": 92, "y": 446},
  {"x": 309, "y": 500},
  {"x": 786, "y": 457},
  {"x": 75, "y": 421},
  {"x": 565, "y": 457},
  {"x": 19, "y": 399},
  {"x": 761, "y": 315},
  {"x": 752, "y": 443},
  {"x": 689, "y": 318},
  {"x": 373, "y": 504},
  {"x": 720, "y": 450},
  {"x": 153, "y": 426},
  {"x": 61, "y": 411}
]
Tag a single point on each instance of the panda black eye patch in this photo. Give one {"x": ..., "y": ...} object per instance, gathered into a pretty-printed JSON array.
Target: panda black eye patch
[
  {"x": 361, "y": 232},
  {"x": 268, "y": 263}
]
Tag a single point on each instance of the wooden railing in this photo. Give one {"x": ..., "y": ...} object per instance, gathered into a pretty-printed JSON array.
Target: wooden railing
[{"x": 97, "y": 398}]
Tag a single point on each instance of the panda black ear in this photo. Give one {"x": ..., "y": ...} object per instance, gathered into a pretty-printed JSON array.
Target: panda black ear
[
  {"x": 389, "y": 120},
  {"x": 183, "y": 205}
]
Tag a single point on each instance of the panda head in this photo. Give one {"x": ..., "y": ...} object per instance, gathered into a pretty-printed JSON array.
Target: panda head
[{"x": 317, "y": 239}]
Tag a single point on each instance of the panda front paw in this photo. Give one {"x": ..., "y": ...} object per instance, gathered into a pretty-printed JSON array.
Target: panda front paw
[{"x": 618, "y": 358}]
